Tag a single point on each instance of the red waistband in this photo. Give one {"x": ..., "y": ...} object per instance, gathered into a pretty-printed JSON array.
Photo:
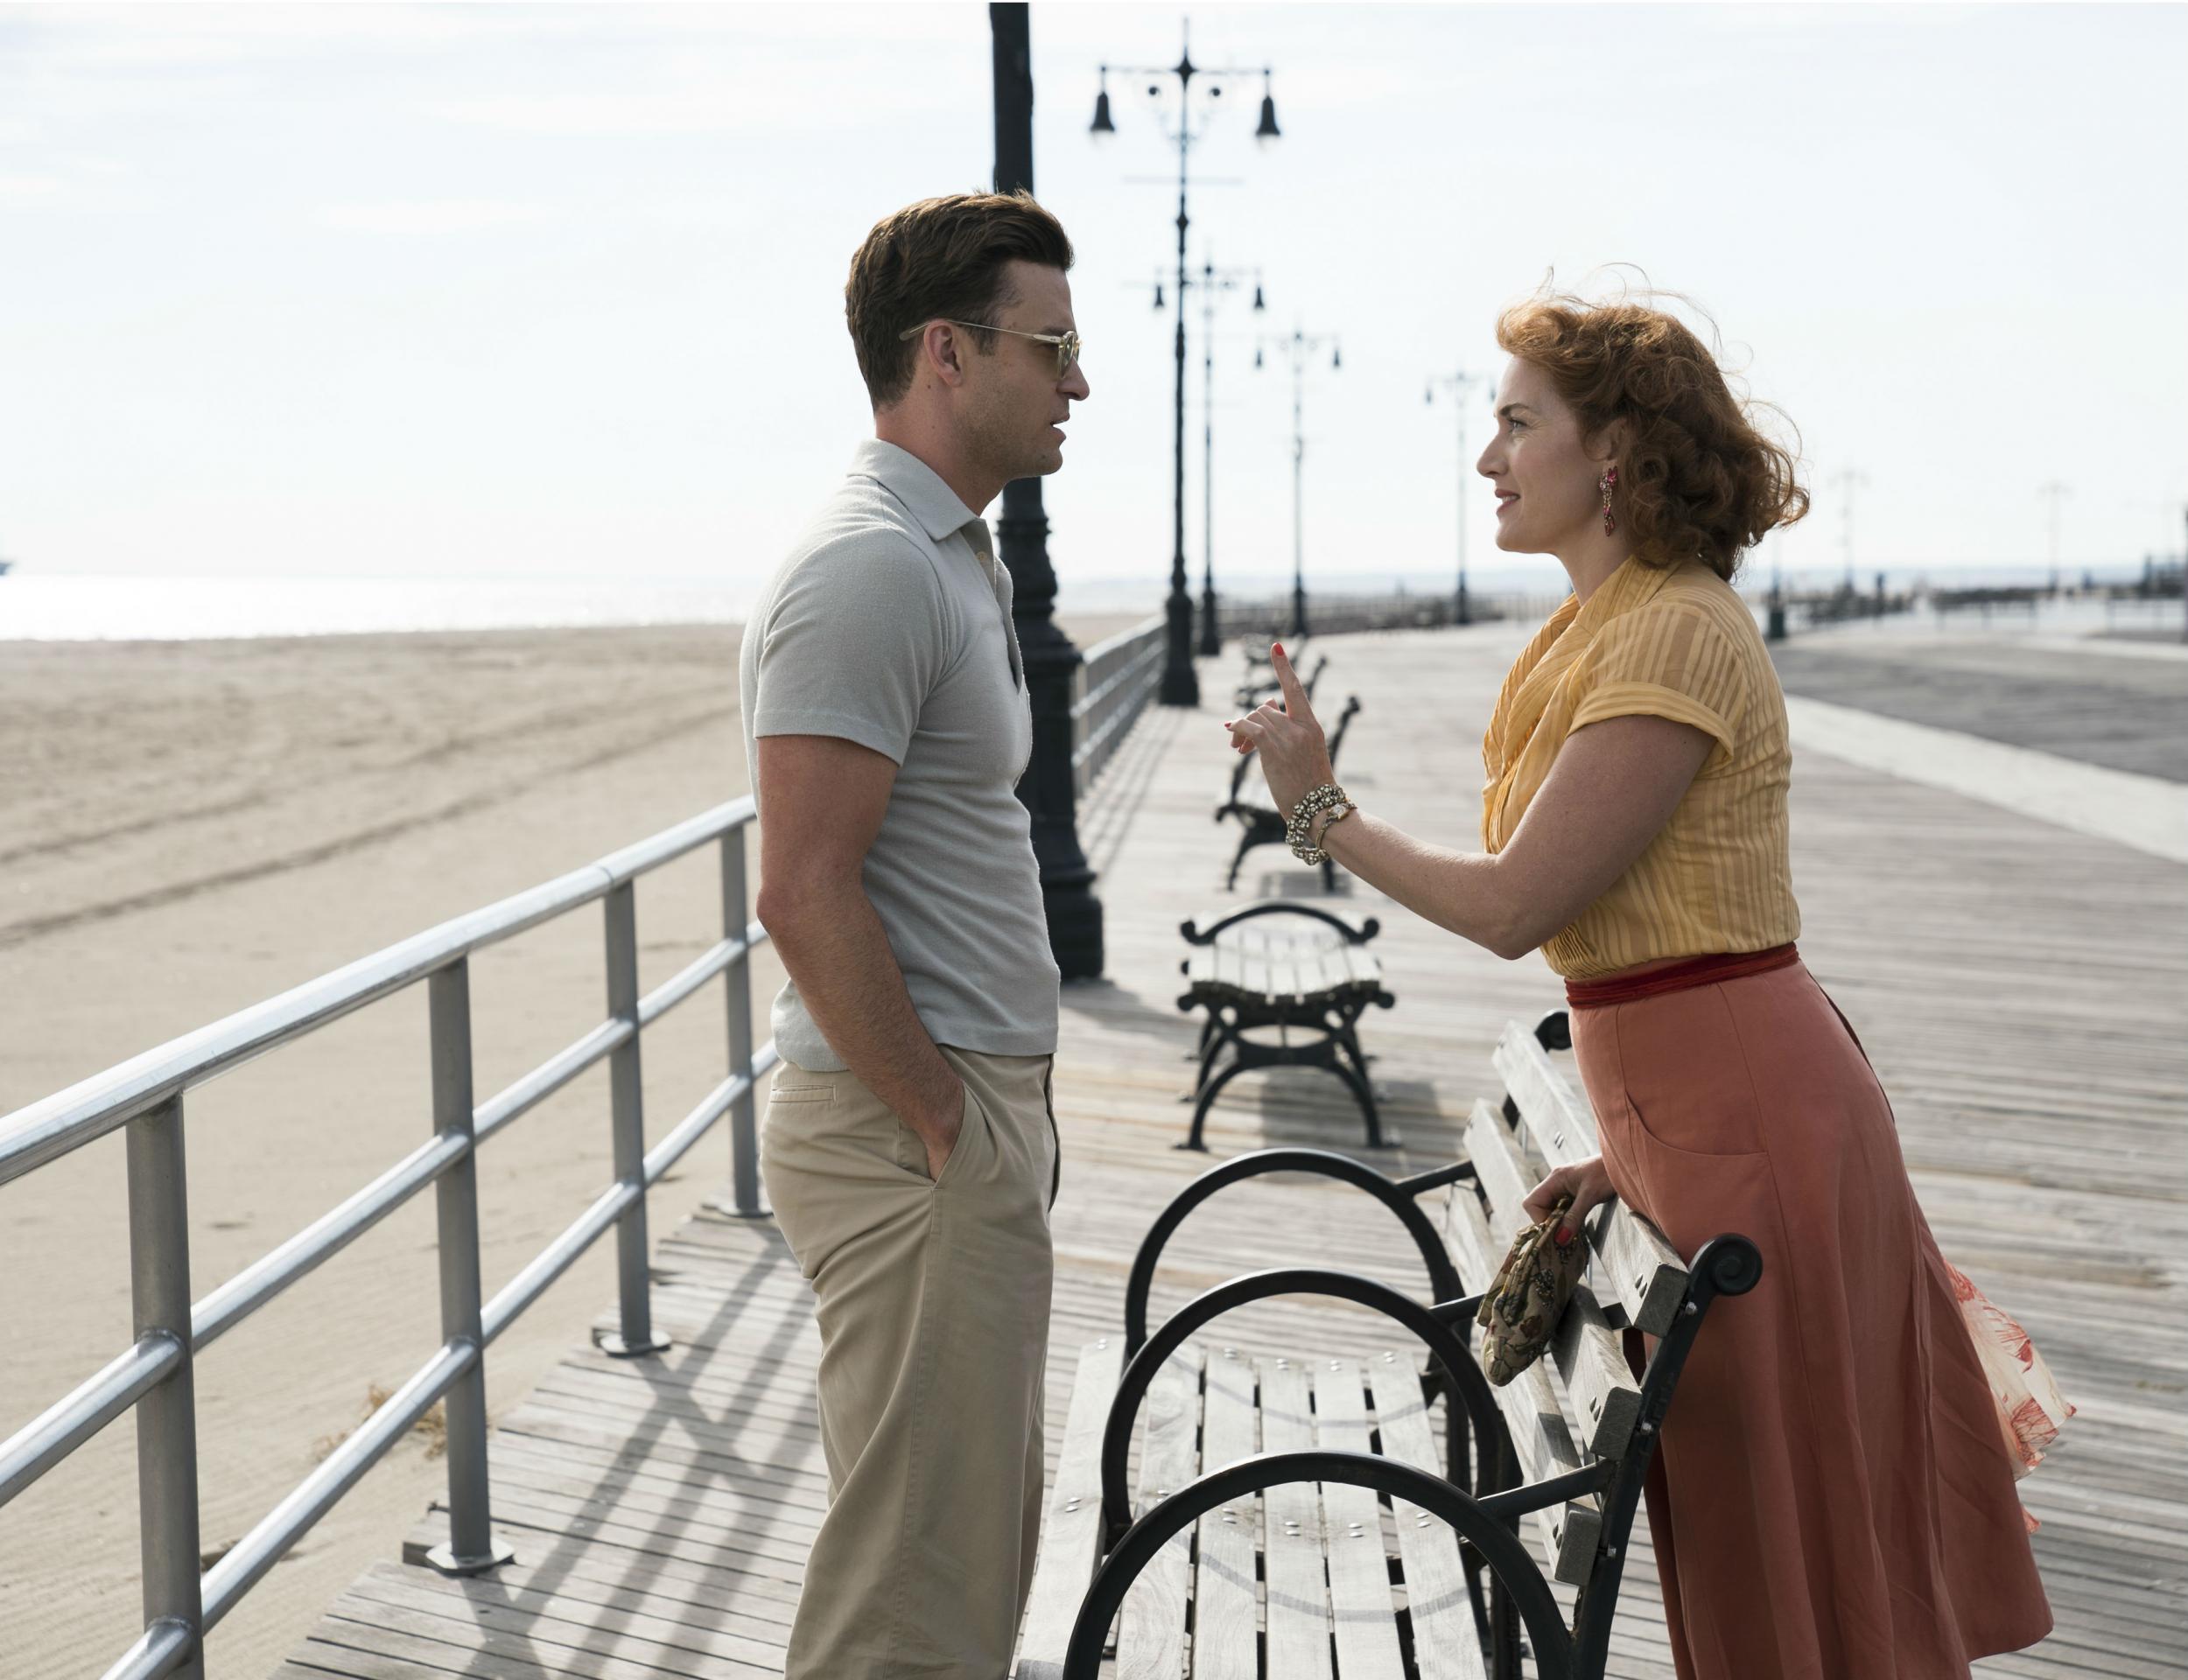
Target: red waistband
[{"x": 1699, "y": 971}]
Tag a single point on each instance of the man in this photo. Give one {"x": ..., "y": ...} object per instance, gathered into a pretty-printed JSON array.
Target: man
[{"x": 910, "y": 1149}]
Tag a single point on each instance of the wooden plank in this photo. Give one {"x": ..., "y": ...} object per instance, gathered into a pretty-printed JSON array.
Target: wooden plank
[
  {"x": 428, "y": 1603},
  {"x": 1151, "y": 1633},
  {"x": 1589, "y": 1358},
  {"x": 1326, "y": 972},
  {"x": 1365, "y": 967},
  {"x": 1559, "y": 1117},
  {"x": 1645, "y": 1272},
  {"x": 1297, "y": 1613},
  {"x": 1226, "y": 1595},
  {"x": 1446, "y": 1645},
  {"x": 1567, "y": 1534},
  {"x": 1591, "y": 1362},
  {"x": 2027, "y": 1059},
  {"x": 1360, "y": 1597},
  {"x": 1072, "y": 1533}
]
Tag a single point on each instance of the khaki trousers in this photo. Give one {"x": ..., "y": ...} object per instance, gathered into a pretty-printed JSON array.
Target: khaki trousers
[{"x": 932, "y": 1296}]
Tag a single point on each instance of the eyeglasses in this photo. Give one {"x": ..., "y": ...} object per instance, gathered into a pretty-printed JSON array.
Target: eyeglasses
[{"x": 1067, "y": 344}]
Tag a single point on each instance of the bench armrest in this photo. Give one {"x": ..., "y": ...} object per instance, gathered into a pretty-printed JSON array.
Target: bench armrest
[
  {"x": 1397, "y": 1195},
  {"x": 1360, "y": 935}
]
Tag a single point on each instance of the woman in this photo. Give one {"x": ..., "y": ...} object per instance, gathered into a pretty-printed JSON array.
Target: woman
[{"x": 1832, "y": 1499}]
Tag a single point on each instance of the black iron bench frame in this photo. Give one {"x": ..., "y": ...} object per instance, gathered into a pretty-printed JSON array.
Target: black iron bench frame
[
  {"x": 1263, "y": 825},
  {"x": 1483, "y": 1508},
  {"x": 1327, "y": 1022}
]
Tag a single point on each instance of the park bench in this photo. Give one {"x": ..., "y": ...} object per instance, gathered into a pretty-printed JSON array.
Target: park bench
[
  {"x": 1260, "y": 824},
  {"x": 1309, "y": 983},
  {"x": 1260, "y": 683},
  {"x": 1292, "y": 1516}
]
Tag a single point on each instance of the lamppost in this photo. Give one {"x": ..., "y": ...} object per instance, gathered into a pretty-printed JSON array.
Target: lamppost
[
  {"x": 1180, "y": 687},
  {"x": 1848, "y": 479},
  {"x": 1301, "y": 344},
  {"x": 1458, "y": 384},
  {"x": 1777, "y": 631},
  {"x": 1046, "y": 790},
  {"x": 1214, "y": 281},
  {"x": 2054, "y": 493}
]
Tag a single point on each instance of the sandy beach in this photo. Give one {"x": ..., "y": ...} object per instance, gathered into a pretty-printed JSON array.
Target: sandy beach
[{"x": 188, "y": 828}]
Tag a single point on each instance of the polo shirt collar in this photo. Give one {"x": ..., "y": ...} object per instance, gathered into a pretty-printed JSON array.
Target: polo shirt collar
[{"x": 925, "y": 496}]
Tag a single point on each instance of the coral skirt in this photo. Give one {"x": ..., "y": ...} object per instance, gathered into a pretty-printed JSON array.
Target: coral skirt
[{"x": 1832, "y": 1499}]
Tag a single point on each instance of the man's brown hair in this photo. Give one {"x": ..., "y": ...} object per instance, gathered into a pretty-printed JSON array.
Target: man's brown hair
[{"x": 940, "y": 259}]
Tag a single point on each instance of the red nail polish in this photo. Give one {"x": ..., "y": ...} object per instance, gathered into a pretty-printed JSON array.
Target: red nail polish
[
  {"x": 1279, "y": 648},
  {"x": 1565, "y": 1237}
]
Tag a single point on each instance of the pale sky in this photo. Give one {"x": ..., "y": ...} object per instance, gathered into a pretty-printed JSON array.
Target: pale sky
[{"x": 512, "y": 289}]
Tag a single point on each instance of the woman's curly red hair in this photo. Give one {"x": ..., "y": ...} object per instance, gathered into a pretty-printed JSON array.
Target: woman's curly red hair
[{"x": 1697, "y": 477}]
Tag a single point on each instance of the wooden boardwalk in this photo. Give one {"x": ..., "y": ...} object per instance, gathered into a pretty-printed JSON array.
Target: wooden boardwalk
[{"x": 2018, "y": 987}]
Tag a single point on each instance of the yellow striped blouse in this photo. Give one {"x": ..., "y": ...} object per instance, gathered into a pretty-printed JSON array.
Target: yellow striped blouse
[{"x": 1675, "y": 643}]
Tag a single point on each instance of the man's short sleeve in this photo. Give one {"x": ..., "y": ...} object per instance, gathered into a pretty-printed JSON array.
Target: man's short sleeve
[
  {"x": 853, "y": 642},
  {"x": 1676, "y": 661}
]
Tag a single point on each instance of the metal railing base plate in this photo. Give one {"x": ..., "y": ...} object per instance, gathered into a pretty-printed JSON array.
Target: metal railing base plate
[
  {"x": 731, "y": 1210},
  {"x": 613, "y": 1343},
  {"x": 443, "y": 1559}
]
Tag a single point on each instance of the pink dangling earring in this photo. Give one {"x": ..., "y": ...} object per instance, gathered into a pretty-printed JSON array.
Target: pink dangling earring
[{"x": 1607, "y": 484}]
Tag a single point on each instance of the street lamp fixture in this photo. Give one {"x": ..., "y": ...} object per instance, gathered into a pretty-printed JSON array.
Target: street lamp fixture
[
  {"x": 1103, "y": 127},
  {"x": 1180, "y": 686}
]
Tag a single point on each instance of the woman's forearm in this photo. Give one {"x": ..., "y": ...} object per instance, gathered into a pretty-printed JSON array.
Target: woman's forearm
[{"x": 1462, "y": 891}]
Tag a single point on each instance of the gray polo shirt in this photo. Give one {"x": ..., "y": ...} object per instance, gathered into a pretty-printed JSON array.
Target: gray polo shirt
[{"x": 890, "y": 626}]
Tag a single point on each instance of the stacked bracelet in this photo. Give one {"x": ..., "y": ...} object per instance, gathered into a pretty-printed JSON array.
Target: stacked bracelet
[{"x": 1299, "y": 831}]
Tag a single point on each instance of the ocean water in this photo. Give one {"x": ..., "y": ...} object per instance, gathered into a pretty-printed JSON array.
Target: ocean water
[{"x": 40, "y": 608}]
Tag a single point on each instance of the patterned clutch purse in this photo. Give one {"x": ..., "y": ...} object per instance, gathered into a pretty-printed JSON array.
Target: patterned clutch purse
[{"x": 1522, "y": 1307}]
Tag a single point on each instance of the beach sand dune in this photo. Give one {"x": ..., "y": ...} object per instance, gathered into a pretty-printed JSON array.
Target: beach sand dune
[{"x": 188, "y": 828}]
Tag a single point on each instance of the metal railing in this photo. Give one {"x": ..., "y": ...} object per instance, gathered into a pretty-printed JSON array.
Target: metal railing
[
  {"x": 1111, "y": 688},
  {"x": 1330, "y": 615},
  {"x": 144, "y": 1097}
]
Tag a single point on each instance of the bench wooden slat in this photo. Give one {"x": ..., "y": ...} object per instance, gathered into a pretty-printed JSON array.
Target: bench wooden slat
[
  {"x": 1446, "y": 1644},
  {"x": 1559, "y": 1118},
  {"x": 1359, "y": 1566},
  {"x": 1224, "y": 1596},
  {"x": 1591, "y": 1362},
  {"x": 1325, "y": 972},
  {"x": 1253, "y": 969},
  {"x": 1071, "y": 1538},
  {"x": 1647, "y": 1276},
  {"x": 1568, "y": 1534},
  {"x": 1586, "y": 1351},
  {"x": 1298, "y": 1599},
  {"x": 1150, "y": 1636},
  {"x": 1229, "y": 966}
]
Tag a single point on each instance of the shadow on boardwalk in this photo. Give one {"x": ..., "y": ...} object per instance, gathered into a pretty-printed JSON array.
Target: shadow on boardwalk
[{"x": 2017, "y": 986}]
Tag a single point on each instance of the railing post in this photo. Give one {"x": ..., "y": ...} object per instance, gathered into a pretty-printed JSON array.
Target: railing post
[
  {"x": 166, "y": 1415},
  {"x": 744, "y": 1131},
  {"x": 472, "y": 1549},
  {"x": 633, "y": 1283}
]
